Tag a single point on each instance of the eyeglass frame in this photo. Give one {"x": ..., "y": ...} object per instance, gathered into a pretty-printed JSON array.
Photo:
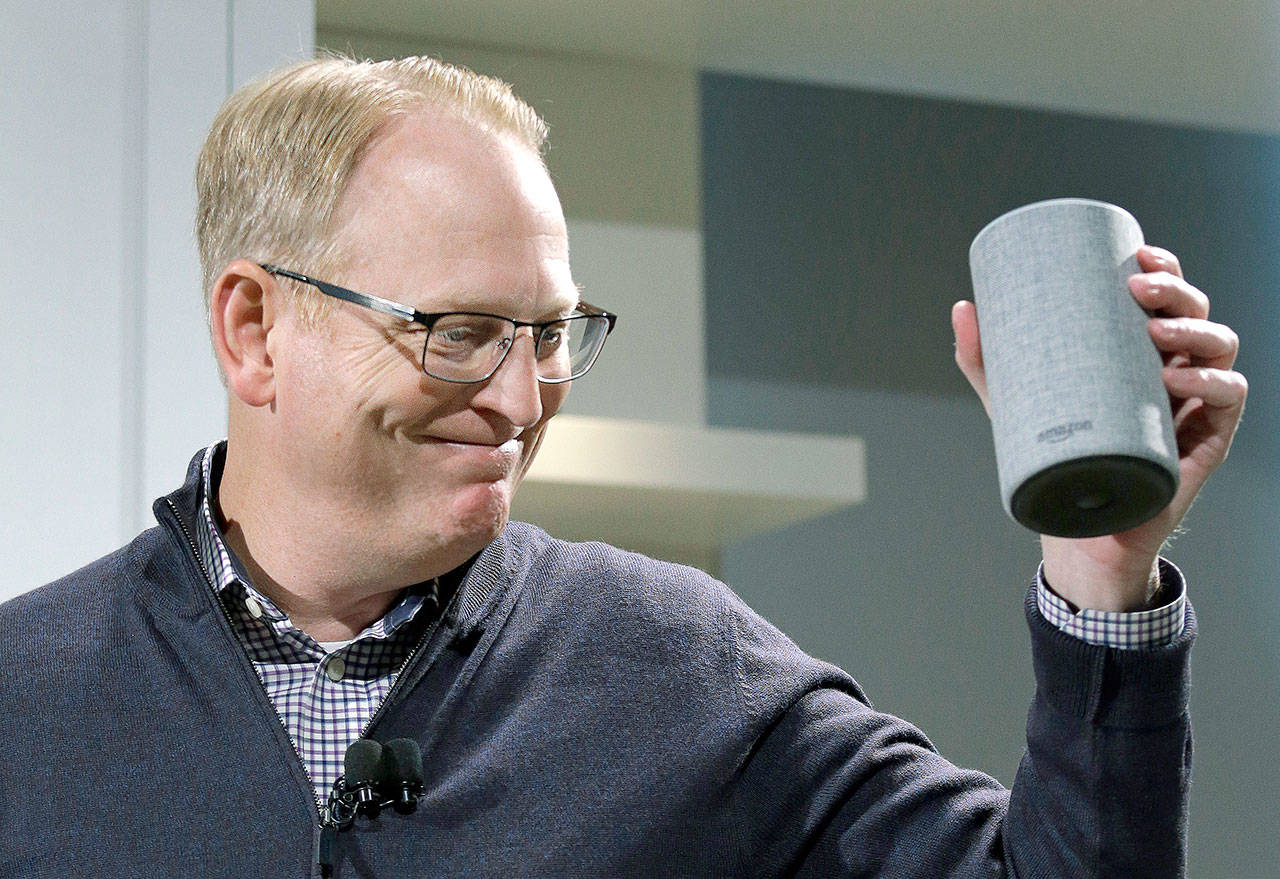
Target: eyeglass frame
[{"x": 428, "y": 319}]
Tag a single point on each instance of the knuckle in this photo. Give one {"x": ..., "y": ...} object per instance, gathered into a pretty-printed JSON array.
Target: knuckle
[
  {"x": 1241, "y": 384},
  {"x": 1232, "y": 340},
  {"x": 1168, "y": 258}
]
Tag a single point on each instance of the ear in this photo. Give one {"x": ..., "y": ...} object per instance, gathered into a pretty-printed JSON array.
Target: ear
[{"x": 243, "y": 306}]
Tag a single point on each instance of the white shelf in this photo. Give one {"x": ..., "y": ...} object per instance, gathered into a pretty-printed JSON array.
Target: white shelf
[{"x": 646, "y": 485}]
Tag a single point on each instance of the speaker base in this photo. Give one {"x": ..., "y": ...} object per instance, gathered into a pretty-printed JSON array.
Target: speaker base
[{"x": 1088, "y": 497}]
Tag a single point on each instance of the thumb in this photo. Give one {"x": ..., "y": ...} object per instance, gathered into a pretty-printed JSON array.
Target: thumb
[{"x": 964, "y": 324}]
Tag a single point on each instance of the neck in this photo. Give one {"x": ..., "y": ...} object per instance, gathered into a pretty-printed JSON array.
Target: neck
[
  {"x": 326, "y": 611},
  {"x": 329, "y": 583}
]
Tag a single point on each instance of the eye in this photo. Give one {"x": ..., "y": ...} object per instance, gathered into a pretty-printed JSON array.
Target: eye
[
  {"x": 456, "y": 334},
  {"x": 460, "y": 337},
  {"x": 553, "y": 338}
]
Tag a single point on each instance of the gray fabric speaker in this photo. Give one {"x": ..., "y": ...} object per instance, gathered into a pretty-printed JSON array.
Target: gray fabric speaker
[{"x": 1083, "y": 430}]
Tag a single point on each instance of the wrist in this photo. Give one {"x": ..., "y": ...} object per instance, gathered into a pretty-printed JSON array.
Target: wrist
[{"x": 1116, "y": 586}]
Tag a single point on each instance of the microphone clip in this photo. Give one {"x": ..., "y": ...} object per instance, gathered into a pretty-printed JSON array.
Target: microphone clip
[{"x": 377, "y": 776}]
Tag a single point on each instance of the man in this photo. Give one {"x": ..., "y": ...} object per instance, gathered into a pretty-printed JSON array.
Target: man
[{"x": 392, "y": 308}]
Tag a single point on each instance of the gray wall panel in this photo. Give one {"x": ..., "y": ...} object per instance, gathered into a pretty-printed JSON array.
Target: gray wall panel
[{"x": 859, "y": 208}]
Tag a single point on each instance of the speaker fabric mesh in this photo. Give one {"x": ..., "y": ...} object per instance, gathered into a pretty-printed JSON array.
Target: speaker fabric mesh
[{"x": 1072, "y": 372}]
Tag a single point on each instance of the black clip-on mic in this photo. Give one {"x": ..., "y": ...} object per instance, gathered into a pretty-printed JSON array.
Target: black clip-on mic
[
  {"x": 402, "y": 775},
  {"x": 374, "y": 777}
]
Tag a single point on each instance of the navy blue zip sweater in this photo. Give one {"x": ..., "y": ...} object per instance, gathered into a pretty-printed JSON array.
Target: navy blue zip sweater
[{"x": 582, "y": 712}]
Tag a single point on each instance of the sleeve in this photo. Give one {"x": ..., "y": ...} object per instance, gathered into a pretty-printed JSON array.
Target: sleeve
[{"x": 833, "y": 788}]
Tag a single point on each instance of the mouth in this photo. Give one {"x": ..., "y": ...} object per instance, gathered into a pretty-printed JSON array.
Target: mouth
[
  {"x": 475, "y": 444},
  {"x": 495, "y": 460},
  {"x": 505, "y": 446},
  {"x": 436, "y": 439}
]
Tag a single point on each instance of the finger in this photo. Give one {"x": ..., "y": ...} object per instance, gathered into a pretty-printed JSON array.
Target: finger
[
  {"x": 1219, "y": 388},
  {"x": 1184, "y": 411},
  {"x": 1204, "y": 441},
  {"x": 1169, "y": 295},
  {"x": 1157, "y": 259},
  {"x": 964, "y": 324},
  {"x": 1203, "y": 343}
]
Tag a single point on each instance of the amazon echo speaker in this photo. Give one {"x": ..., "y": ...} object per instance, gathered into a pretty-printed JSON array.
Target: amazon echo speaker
[{"x": 1083, "y": 430}]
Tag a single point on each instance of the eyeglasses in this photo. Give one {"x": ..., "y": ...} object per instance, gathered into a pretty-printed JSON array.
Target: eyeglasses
[{"x": 467, "y": 347}]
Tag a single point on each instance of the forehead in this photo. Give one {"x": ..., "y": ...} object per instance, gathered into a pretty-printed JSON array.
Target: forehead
[{"x": 445, "y": 216}]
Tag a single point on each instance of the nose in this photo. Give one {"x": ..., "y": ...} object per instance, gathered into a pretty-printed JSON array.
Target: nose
[{"x": 514, "y": 391}]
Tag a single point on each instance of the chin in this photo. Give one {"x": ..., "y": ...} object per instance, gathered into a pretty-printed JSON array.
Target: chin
[{"x": 481, "y": 512}]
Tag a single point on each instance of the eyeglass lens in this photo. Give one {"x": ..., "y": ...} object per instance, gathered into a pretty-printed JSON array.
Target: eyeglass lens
[{"x": 469, "y": 347}]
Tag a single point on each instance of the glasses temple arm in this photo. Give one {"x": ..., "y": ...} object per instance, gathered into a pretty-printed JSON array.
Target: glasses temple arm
[{"x": 377, "y": 303}]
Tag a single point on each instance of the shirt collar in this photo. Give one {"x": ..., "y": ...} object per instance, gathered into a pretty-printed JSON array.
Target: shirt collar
[{"x": 228, "y": 571}]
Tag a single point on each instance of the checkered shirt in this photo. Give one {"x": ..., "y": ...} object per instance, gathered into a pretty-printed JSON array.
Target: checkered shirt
[
  {"x": 1127, "y": 631},
  {"x": 325, "y": 698}
]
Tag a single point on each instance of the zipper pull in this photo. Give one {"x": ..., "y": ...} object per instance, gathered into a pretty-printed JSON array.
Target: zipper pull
[{"x": 326, "y": 851}]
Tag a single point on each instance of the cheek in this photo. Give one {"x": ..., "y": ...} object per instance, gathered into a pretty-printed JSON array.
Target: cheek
[
  {"x": 350, "y": 400},
  {"x": 303, "y": 386},
  {"x": 374, "y": 369},
  {"x": 383, "y": 387}
]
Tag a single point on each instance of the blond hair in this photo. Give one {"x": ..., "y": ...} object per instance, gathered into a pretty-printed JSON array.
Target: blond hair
[{"x": 282, "y": 148}]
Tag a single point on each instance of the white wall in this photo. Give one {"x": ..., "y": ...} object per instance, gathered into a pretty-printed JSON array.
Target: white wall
[
  {"x": 66, "y": 247},
  {"x": 108, "y": 383},
  {"x": 655, "y": 368}
]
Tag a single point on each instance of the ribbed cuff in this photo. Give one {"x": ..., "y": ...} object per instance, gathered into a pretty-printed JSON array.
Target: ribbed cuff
[{"x": 1140, "y": 688}]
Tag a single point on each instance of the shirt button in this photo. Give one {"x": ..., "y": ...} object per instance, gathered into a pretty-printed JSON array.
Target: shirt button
[
  {"x": 335, "y": 668},
  {"x": 255, "y": 609}
]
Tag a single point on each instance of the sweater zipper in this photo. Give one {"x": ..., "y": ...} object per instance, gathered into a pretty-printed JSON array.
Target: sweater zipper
[
  {"x": 231, "y": 626},
  {"x": 404, "y": 666},
  {"x": 324, "y": 848}
]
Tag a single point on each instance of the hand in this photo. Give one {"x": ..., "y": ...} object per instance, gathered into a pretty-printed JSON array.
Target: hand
[{"x": 1116, "y": 572}]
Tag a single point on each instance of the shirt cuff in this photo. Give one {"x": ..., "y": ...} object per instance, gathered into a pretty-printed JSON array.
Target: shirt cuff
[{"x": 1126, "y": 631}]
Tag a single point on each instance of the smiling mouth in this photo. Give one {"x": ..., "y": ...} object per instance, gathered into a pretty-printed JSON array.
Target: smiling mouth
[
  {"x": 431, "y": 439},
  {"x": 511, "y": 444},
  {"x": 492, "y": 460}
]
